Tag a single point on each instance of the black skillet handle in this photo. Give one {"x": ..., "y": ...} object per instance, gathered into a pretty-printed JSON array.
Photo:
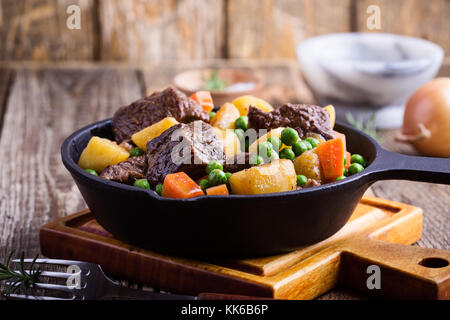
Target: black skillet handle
[{"x": 389, "y": 165}]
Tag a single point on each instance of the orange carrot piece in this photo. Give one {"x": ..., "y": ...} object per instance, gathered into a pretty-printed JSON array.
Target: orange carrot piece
[
  {"x": 204, "y": 99},
  {"x": 342, "y": 137},
  {"x": 180, "y": 186},
  {"x": 331, "y": 157},
  {"x": 221, "y": 190},
  {"x": 348, "y": 156}
]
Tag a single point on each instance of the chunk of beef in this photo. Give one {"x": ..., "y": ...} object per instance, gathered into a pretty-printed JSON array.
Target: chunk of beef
[
  {"x": 143, "y": 113},
  {"x": 239, "y": 162},
  {"x": 127, "y": 171},
  {"x": 183, "y": 148},
  {"x": 306, "y": 119}
]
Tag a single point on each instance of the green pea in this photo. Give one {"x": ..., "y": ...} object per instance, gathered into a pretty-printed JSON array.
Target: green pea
[
  {"x": 299, "y": 148},
  {"x": 308, "y": 144},
  {"x": 241, "y": 123},
  {"x": 314, "y": 142},
  {"x": 340, "y": 178},
  {"x": 217, "y": 177},
  {"x": 289, "y": 136},
  {"x": 287, "y": 154},
  {"x": 355, "y": 168},
  {"x": 159, "y": 189},
  {"x": 265, "y": 149},
  {"x": 256, "y": 160},
  {"x": 93, "y": 172},
  {"x": 356, "y": 158},
  {"x": 204, "y": 184},
  {"x": 275, "y": 142},
  {"x": 301, "y": 180},
  {"x": 142, "y": 183},
  {"x": 212, "y": 166},
  {"x": 212, "y": 114},
  {"x": 240, "y": 134},
  {"x": 136, "y": 152},
  {"x": 228, "y": 175}
]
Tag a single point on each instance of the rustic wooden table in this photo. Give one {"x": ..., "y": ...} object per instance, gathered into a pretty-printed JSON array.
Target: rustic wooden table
[{"x": 40, "y": 105}]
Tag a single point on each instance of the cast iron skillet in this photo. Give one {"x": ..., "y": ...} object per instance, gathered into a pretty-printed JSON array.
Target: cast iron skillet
[{"x": 239, "y": 225}]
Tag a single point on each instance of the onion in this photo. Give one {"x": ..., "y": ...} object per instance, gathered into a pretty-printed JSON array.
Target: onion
[{"x": 426, "y": 124}]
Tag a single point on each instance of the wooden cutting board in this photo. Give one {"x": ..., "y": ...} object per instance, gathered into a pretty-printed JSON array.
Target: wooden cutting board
[{"x": 379, "y": 233}]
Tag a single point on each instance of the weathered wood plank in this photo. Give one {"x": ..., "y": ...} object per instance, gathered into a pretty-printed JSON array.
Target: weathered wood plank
[
  {"x": 5, "y": 79},
  {"x": 149, "y": 31},
  {"x": 37, "y": 30},
  {"x": 418, "y": 18},
  {"x": 42, "y": 110},
  {"x": 269, "y": 29}
]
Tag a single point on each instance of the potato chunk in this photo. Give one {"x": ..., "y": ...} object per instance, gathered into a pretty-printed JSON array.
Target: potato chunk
[
  {"x": 142, "y": 137},
  {"x": 278, "y": 176},
  {"x": 332, "y": 113},
  {"x": 225, "y": 117},
  {"x": 243, "y": 104},
  {"x": 230, "y": 140},
  {"x": 101, "y": 153},
  {"x": 308, "y": 164}
]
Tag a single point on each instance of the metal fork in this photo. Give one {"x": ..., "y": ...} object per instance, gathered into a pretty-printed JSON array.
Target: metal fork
[{"x": 95, "y": 285}]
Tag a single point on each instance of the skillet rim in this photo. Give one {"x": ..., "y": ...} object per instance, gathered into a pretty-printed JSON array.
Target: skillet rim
[{"x": 74, "y": 169}]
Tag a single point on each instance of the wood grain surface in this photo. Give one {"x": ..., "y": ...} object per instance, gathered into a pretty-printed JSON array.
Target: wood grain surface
[
  {"x": 44, "y": 105},
  {"x": 145, "y": 31},
  {"x": 417, "y": 18},
  {"x": 43, "y": 108},
  {"x": 268, "y": 28},
  {"x": 36, "y": 30},
  {"x": 161, "y": 30}
]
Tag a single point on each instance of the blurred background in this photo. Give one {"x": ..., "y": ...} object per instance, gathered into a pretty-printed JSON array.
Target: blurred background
[{"x": 151, "y": 31}]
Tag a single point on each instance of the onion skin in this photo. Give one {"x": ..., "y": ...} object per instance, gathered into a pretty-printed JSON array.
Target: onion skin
[{"x": 430, "y": 106}]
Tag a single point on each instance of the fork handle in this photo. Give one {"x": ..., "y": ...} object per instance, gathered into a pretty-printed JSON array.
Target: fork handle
[{"x": 117, "y": 291}]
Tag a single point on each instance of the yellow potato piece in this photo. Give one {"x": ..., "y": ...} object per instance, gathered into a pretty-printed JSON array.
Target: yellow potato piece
[
  {"x": 230, "y": 140},
  {"x": 278, "y": 176},
  {"x": 332, "y": 113},
  {"x": 308, "y": 164},
  {"x": 225, "y": 117},
  {"x": 243, "y": 104},
  {"x": 142, "y": 137},
  {"x": 101, "y": 153},
  {"x": 274, "y": 132}
]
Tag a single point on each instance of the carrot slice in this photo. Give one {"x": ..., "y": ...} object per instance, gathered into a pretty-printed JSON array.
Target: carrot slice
[
  {"x": 342, "y": 137},
  {"x": 180, "y": 186},
  {"x": 331, "y": 157},
  {"x": 204, "y": 99},
  {"x": 221, "y": 190}
]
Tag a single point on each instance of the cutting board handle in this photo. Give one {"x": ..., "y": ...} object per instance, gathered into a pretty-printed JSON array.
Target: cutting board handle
[{"x": 396, "y": 271}]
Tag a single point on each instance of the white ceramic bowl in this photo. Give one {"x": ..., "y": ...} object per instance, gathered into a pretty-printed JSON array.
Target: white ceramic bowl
[{"x": 370, "y": 69}]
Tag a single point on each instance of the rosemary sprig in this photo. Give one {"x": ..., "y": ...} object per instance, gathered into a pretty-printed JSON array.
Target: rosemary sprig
[
  {"x": 213, "y": 83},
  {"x": 369, "y": 127},
  {"x": 21, "y": 280}
]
